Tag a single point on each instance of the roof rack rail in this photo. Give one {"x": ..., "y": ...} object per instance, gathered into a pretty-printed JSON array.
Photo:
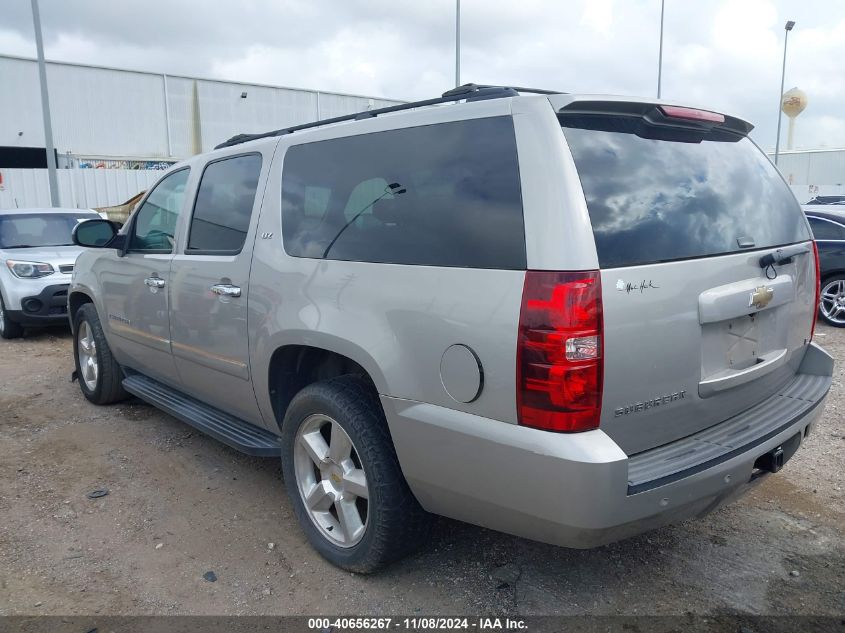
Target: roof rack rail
[
  {"x": 471, "y": 87},
  {"x": 468, "y": 92}
]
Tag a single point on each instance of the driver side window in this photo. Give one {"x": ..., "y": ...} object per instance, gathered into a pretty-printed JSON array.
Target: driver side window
[{"x": 155, "y": 222}]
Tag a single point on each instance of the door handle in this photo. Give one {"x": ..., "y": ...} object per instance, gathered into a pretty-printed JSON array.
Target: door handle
[
  {"x": 226, "y": 290},
  {"x": 154, "y": 282}
]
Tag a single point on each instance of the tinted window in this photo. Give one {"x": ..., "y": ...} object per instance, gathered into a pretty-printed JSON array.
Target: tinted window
[
  {"x": 440, "y": 195},
  {"x": 824, "y": 230},
  {"x": 155, "y": 220},
  {"x": 659, "y": 195},
  {"x": 21, "y": 230},
  {"x": 224, "y": 204}
]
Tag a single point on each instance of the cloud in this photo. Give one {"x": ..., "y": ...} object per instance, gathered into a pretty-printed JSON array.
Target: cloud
[{"x": 723, "y": 54}]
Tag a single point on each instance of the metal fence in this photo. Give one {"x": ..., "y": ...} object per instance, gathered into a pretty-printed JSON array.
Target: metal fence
[{"x": 78, "y": 188}]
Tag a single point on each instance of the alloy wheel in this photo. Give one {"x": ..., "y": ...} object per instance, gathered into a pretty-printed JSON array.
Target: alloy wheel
[
  {"x": 331, "y": 480},
  {"x": 86, "y": 346},
  {"x": 833, "y": 301}
]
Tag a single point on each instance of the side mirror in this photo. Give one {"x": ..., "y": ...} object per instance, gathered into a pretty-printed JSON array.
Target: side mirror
[{"x": 94, "y": 233}]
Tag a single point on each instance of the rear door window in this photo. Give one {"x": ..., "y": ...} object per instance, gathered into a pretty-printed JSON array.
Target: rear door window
[
  {"x": 438, "y": 195},
  {"x": 654, "y": 198},
  {"x": 223, "y": 208}
]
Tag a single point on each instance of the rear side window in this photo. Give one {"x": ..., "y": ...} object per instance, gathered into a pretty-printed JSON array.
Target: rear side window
[
  {"x": 438, "y": 195},
  {"x": 826, "y": 230},
  {"x": 655, "y": 198},
  {"x": 223, "y": 207}
]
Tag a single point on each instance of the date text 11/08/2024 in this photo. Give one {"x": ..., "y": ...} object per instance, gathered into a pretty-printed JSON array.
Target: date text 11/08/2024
[{"x": 420, "y": 623}]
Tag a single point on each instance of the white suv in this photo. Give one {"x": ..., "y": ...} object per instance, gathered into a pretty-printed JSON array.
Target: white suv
[{"x": 37, "y": 254}]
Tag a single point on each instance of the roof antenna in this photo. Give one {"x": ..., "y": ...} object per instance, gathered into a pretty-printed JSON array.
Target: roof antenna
[{"x": 393, "y": 188}]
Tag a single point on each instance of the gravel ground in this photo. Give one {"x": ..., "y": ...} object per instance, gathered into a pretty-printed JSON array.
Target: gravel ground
[{"x": 181, "y": 504}]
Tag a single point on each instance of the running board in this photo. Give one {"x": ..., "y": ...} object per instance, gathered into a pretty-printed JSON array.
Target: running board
[{"x": 240, "y": 435}]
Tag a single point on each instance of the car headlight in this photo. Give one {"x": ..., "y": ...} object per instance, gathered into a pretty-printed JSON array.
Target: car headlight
[{"x": 29, "y": 270}]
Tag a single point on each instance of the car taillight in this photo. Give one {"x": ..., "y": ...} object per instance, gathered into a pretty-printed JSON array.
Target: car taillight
[
  {"x": 559, "y": 351},
  {"x": 818, "y": 289},
  {"x": 692, "y": 114}
]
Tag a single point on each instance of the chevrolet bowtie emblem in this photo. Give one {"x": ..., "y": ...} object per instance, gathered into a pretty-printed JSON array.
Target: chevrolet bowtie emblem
[{"x": 760, "y": 297}]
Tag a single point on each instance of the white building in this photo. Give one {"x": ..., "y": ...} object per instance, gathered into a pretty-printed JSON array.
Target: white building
[
  {"x": 812, "y": 166},
  {"x": 103, "y": 114},
  {"x": 132, "y": 124},
  {"x": 813, "y": 172}
]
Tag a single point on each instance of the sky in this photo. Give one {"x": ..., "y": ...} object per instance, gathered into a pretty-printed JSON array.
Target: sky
[{"x": 725, "y": 55}]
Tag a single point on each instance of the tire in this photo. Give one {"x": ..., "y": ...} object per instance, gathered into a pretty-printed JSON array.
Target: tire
[
  {"x": 101, "y": 382},
  {"x": 8, "y": 329},
  {"x": 832, "y": 308},
  {"x": 393, "y": 523}
]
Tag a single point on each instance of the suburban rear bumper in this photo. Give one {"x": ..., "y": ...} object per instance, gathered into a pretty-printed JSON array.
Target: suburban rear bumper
[{"x": 572, "y": 489}]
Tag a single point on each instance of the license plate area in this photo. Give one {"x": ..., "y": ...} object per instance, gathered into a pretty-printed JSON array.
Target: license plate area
[{"x": 739, "y": 343}]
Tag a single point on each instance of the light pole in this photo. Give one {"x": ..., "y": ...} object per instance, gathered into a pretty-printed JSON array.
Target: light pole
[
  {"x": 457, "y": 43},
  {"x": 787, "y": 28},
  {"x": 45, "y": 108},
  {"x": 660, "y": 53}
]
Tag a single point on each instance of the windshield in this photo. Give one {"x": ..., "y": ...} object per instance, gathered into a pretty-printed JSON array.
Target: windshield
[
  {"x": 657, "y": 195},
  {"x": 39, "y": 229}
]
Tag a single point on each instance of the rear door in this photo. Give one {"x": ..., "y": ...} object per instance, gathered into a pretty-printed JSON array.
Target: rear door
[
  {"x": 210, "y": 287},
  {"x": 682, "y": 210}
]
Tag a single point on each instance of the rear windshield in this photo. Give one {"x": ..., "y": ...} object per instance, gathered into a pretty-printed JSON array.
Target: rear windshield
[{"x": 655, "y": 198}]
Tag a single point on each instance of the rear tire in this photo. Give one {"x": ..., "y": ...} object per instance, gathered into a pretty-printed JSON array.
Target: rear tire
[
  {"x": 8, "y": 329},
  {"x": 832, "y": 301},
  {"x": 337, "y": 452},
  {"x": 98, "y": 372}
]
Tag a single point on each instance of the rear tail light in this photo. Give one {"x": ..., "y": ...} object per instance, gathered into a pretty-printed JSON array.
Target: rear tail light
[
  {"x": 818, "y": 289},
  {"x": 559, "y": 351},
  {"x": 678, "y": 112}
]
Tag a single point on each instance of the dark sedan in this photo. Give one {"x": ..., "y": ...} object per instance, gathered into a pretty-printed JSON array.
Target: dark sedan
[{"x": 828, "y": 226}]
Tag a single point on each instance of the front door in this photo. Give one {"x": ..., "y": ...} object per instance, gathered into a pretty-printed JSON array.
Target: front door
[
  {"x": 209, "y": 288},
  {"x": 135, "y": 288}
]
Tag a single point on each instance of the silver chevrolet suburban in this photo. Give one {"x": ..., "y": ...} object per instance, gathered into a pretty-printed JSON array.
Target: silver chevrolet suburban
[{"x": 567, "y": 317}]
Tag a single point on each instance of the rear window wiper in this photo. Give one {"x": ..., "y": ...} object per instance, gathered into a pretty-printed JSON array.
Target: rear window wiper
[{"x": 783, "y": 255}]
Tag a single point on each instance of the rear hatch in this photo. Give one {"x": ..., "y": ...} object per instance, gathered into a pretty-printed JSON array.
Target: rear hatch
[{"x": 683, "y": 207}]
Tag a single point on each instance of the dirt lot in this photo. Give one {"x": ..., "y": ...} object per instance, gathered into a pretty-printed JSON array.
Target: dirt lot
[{"x": 180, "y": 505}]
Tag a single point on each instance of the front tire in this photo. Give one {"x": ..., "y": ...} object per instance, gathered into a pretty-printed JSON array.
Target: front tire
[
  {"x": 98, "y": 372},
  {"x": 343, "y": 477},
  {"x": 8, "y": 329},
  {"x": 832, "y": 301}
]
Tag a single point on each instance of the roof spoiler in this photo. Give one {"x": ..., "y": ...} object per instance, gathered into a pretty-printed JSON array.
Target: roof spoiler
[{"x": 661, "y": 115}]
